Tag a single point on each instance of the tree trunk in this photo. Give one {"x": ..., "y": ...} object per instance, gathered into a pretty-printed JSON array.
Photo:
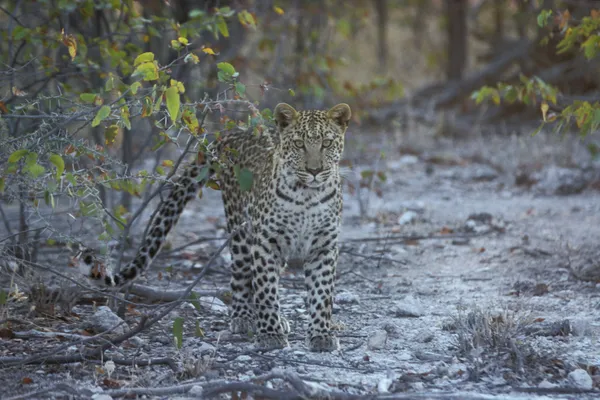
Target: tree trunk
[
  {"x": 381, "y": 8},
  {"x": 456, "y": 11}
]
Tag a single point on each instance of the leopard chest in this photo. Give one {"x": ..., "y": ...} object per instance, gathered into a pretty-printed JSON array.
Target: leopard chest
[{"x": 302, "y": 221}]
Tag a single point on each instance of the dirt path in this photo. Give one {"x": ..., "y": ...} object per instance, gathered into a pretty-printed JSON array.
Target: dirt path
[{"x": 488, "y": 305}]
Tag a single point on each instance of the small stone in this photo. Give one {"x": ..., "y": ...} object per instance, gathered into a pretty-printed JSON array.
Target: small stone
[
  {"x": 408, "y": 159},
  {"x": 404, "y": 356},
  {"x": 137, "y": 341},
  {"x": 481, "y": 172},
  {"x": 417, "y": 386},
  {"x": 580, "y": 379},
  {"x": 244, "y": 358},
  {"x": 561, "y": 181},
  {"x": 408, "y": 307},
  {"x": 408, "y": 217},
  {"x": 196, "y": 390},
  {"x": 545, "y": 384},
  {"x": 377, "y": 340},
  {"x": 213, "y": 304},
  {"x": 100, "y": 396},
  {"x": 104, "y": 319},
  {"x": 346, "y": 298}
]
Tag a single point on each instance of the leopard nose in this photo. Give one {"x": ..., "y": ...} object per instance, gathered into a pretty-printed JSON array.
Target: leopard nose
[{"x": 314, "y": 171}]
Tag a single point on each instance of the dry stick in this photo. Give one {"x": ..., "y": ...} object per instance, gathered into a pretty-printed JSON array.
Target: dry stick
[
  {"x": 143, "y": 324},
  {"x": 404, "y": 238},
  {"x": 168, "y": 296}
]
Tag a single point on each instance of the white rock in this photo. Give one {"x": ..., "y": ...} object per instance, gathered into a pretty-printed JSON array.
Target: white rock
[
  {"x": 100, "y": 396},
  {"x": 408, "y": 307},
  {"x": 196, "y": 390},
  {"x": 377, "y": 340},
  {"x": 104, "y": 319},
  {"x": 408, "y": 159},
  {"x": 545, "y": 384},
  {"x": 346, "y": 298},
  {"x": 408, "y": 218},
  {"x": 404, "y": 356},
  {"x": 580, "y": 379},
  {"x": 213, "y": 304},
  {"x": 244, "y": 358}
]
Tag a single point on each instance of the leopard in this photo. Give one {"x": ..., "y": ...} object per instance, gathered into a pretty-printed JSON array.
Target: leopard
[{"x": 291, "y": 213}]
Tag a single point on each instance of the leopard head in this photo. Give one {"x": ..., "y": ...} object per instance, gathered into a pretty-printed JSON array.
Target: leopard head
[{"x": 312, "y": 143}]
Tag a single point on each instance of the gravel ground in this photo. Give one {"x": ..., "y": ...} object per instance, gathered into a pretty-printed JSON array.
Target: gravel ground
[{"x": 454, "y": 282}]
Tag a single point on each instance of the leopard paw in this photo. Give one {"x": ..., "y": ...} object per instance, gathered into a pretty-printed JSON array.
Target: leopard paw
[
  {"x": 241, "y": 325},
  {"x": 271, "y": 341},
  {"x": 323, "y": 342}
]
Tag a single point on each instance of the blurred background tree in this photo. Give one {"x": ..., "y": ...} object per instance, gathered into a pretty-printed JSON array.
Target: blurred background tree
[{"x": 85, "y": 85}]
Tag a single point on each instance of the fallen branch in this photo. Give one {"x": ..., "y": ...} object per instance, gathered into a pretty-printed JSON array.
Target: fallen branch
[
  {"x": 167, "y": 296},
  {"x": 408, "y": 238}
]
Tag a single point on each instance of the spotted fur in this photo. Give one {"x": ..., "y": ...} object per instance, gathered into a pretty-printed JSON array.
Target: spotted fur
[{"x": 293, "y": 212}]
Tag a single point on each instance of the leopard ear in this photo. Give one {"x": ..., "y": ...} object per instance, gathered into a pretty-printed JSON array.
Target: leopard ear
[
  {"x": 340, "y": 114},
  {"x": 284, "y": 115}
]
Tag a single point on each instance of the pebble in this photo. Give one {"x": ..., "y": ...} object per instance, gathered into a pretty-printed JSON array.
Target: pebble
[
  {"x": 244, "y": 357},
  {"x": 580, "y": 379},
  {"x": 213, "y": 304},
  {"x": 346, "y": 298},
  {"x": 560, "y": 181},
  {"x": 377, "y": 340},
  {"x": 408, "y": 307},
  {"x": 100, "y": 396},
  {"x": 545, "y": 384},
  {"x": 196, "y": 390},
  {"x": 408, "y": 217},
  {"x": 104, "y": 319}
]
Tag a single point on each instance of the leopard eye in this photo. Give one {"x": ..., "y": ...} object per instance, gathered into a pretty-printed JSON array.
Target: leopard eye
[
  {"x": 299, "y": 143},
  {"x": 327, "y": 143}
]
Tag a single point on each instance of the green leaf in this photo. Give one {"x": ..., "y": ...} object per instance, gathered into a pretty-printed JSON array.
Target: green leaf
[
  {"x": 178, "y": 332},
  {"x": 245, "y": 179},
  {"x": 222, "y": 26},
  {"x": 59, "y": 163},
  {"x": 103, "y": 112},
  {"x": 87, "y": 97},
  {"x": 240, "y": 88},
  {"x": 173, "y": 102},
  {"x": 110, "y": 134},
  {"x": 226, "y": 67},
  {"x": 135, "y": 86},
  {"x": 148, "y": 70},
  {"x": 49, "y": 198},
  {"x": 2, "y": 185},
  {"x": 17, "y": 155},
  {"x": 143, "y": 58},
  {"x": 542, "y": 18},
  {"x": 538, "y": 129},
  {"x": 291, "y": 92},
  {"x": 36, "y": 170},
  {"x": 203, "y": 174},
  {"x": 194, "y": 300}
]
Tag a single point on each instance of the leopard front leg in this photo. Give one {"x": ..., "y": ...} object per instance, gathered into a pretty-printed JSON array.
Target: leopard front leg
[
  {"x": 272, "y": 329},
  {"x": 242, "y": 310},
  {"x": 319, "y": 272}
]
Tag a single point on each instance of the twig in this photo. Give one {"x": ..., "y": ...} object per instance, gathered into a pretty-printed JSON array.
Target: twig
[
  {"x": 153, "y": 294},
  {"x": 47, "y": 335},
  {"x": 406, "y": 238}
]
